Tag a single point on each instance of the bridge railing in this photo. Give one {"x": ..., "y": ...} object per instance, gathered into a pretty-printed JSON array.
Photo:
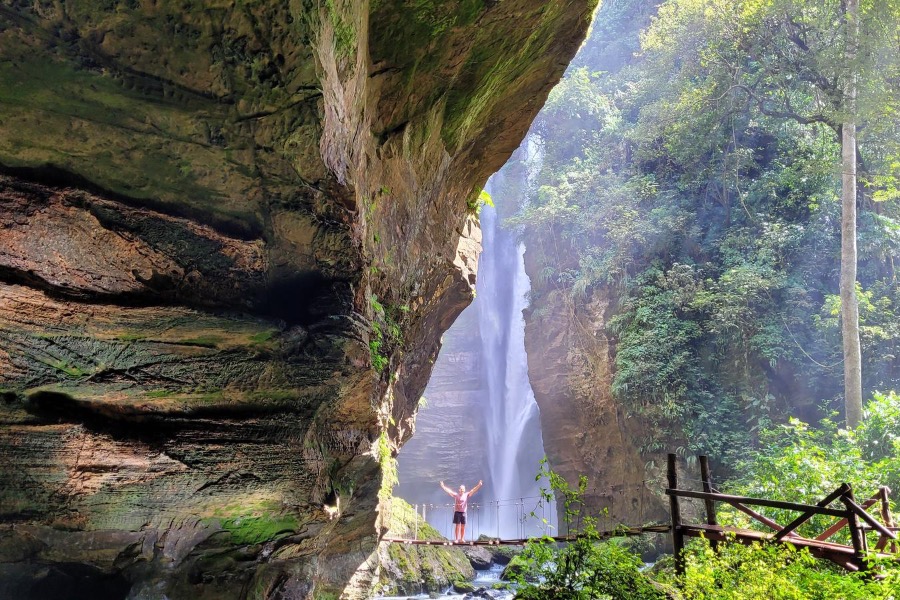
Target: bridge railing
[
  {"x": 852, "y": 515},
  {"x": 517, "y": 517}
]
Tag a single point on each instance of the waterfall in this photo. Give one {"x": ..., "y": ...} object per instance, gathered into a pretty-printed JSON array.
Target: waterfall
[
  {"x": 511, "y": 418},
  {"x": 482, "y": 420}
]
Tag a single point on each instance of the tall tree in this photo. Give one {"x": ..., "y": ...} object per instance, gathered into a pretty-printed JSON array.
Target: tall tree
[
  {"x": 853, "y": 404},
  {"x": 799, "y": 60}
]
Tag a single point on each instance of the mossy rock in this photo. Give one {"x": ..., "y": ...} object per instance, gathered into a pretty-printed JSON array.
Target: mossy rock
[
  {"x": 408, "y": 570},
  {"x": 517, "y": 567},
  {"x": 463, "y": 587}
]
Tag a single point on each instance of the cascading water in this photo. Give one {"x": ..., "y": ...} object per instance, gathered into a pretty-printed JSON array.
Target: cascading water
[
  {"x": 482, "y": 420},
  {"x": 511, "y": 415}
]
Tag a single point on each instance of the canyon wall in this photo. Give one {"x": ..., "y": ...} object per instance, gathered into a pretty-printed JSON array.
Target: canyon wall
[{"x": 230, "y": 240}]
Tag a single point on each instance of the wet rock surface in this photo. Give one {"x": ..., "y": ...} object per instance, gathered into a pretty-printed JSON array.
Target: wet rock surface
[
  {"x": 230, "y": 240},
  {"x": 479, "y": 557},
  {"x": 485, "y": 593},
  {"x": 408, "y": 569}
]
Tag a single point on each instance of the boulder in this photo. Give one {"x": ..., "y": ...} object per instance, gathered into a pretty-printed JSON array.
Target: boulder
[
  {"x": 479, "y": 557},
  {"x": 484, "y": 593}
]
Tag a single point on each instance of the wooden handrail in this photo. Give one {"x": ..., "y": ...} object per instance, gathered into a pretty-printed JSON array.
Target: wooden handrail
[
  {"x": 759, "y": 517},
  {"x": 857, "y": 538},
  {"x": 808, "y": 514},
  {"x": 852, "y": 514},
  {"x": 706, "y": 482},
  {"x": 861, "y": 513},
  {"x": 833, "y": 512},
  {"x": 842, "y": 523},
  {"x": 675, "y": 512}
]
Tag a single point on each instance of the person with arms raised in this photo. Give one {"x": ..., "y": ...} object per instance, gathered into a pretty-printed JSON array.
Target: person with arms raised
[{"x": 461, "y": 499}]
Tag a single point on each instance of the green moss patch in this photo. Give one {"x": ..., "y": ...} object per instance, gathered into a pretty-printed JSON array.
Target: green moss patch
[
  {"x": 120, "y": 137},
  {"x": 255, "y": 530},
  {"x": 253, "y": 519}
]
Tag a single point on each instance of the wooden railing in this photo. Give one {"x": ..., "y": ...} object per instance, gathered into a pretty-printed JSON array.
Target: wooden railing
[{"x": 852, "y": 515}]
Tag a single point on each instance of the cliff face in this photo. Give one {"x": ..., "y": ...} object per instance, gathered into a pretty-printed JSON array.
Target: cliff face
[
  {"x": 570, "y": 362},
  {"x": 230, "y": 239},
  {"x": 571, "y": 367}
]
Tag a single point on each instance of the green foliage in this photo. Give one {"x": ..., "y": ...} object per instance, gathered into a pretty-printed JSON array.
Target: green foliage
[
  {"x": 379, "y": 361},
  {"x": 697, "y": 188},
  {"x": 799, "y": 463},
  {"x": 344, "y": 32},
  {"x": 590, "y": 568},
  {"x": 475, "y": 203},
  {"x": 777, "y": 572},
  {"x": 656, "y": 367},
  {"x": 584, "y": 569},
  {"x": 386, "y": 332}
]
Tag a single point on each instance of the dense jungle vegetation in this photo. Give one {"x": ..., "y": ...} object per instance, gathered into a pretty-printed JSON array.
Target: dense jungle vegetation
[{"x": 689, "y": 168}]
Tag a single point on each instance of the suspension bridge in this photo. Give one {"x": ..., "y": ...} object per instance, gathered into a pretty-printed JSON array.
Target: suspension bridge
[
  {"x": 515, "y": 521},
  {"x": 620, "y": 532},
  {"x": 853, "y": 516}
]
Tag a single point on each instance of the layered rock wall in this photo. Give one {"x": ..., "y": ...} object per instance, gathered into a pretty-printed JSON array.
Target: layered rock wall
[
  {"x": 585, "y": 432},
  {"x": 230, "y": 239}
]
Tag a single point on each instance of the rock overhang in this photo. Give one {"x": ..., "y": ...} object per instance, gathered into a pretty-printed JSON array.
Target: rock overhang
[{"x": 230, "y": 239}]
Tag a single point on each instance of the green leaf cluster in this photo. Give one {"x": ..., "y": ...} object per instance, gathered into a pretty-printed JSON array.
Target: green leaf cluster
[
  {"x": 776, "y": 572},
  {"x": 386, "y": 332},
  {"x": 696, "y": 185},
  {"x": 590, "y": 568},
  {"x": 799, "y": 463},
  {"x": 585, "y": 569}
]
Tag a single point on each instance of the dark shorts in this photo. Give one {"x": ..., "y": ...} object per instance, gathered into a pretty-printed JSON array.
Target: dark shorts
[{"x": 459, "y": 518}]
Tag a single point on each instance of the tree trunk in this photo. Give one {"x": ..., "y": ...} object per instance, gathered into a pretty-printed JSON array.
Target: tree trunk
[{"x": 849, "y": 303}]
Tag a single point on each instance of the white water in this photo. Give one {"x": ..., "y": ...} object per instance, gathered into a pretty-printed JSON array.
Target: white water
[
  {"x": 510, "y": 414},
  {"x": 483, "y": 420},
  {"x": 483, "y": 579}
]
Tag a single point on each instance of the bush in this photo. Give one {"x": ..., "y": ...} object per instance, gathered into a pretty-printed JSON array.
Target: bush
[
  {"x": 776, "y": 572},
  {"x": 585, "y": 569},
  {"x": 799, "y": 463}
]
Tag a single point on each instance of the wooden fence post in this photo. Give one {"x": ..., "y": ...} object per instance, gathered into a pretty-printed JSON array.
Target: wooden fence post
[
  {"x": 675, "y": 509},
  {"x": 857, "y": 535},
  {"x": 884, "y": 493},
  {"x": 706, "y": 478}
]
